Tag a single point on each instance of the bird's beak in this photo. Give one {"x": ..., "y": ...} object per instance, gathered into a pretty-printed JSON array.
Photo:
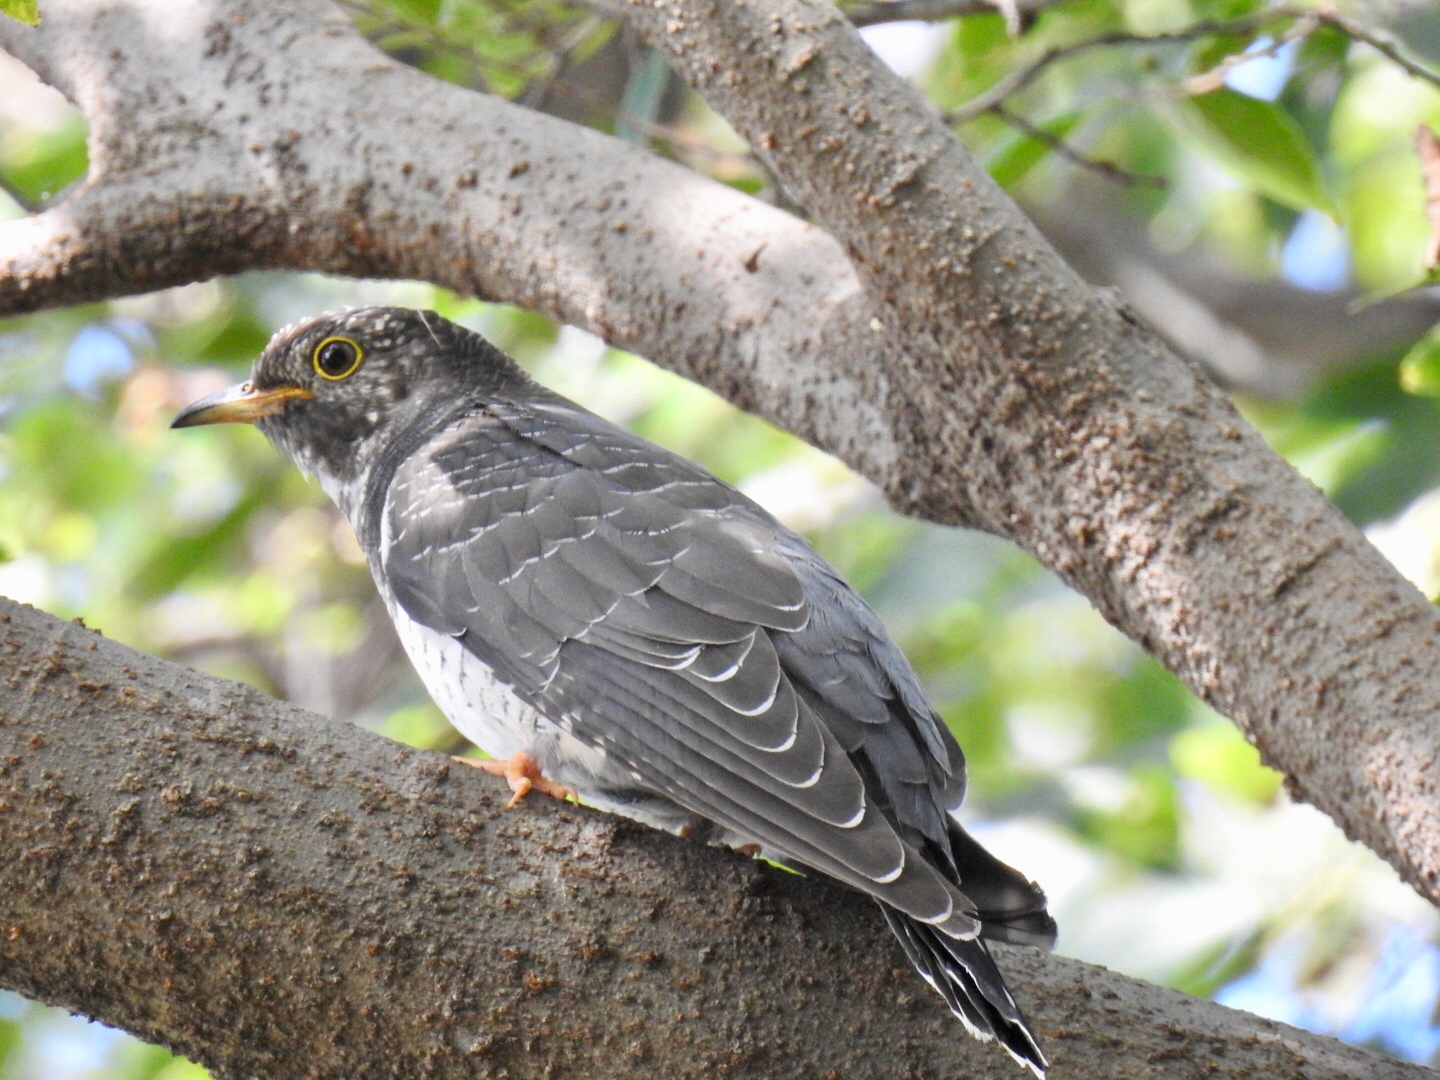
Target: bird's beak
[{"x": 243, "y": 404}]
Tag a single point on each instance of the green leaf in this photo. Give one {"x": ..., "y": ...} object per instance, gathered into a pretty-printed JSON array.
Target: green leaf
[
  {"x": 1024, "y": 153},
  {"x": 1205, "y": 973},
  {"x": 25, "y": 11},
  {"x": 1145, "y": 825},
  {"x": 1261, "y": 144},
  {"x": 1420, "y": 369},
  {"x": 11, "y": 1036},
  {"x": 1218, "y": 756},
  {"x": 39, "y": 164}
]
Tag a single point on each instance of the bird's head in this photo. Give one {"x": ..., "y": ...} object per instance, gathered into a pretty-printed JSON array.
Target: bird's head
[{"x": 327, "y": 390}]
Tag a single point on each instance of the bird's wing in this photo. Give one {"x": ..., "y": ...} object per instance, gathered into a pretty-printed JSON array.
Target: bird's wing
[{"x": 664, "y": 619}]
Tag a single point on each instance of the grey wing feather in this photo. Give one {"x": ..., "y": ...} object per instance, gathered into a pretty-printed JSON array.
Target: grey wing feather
[
  {"x": 660, "y": 616},
  {"x": 727, "y": 789}
]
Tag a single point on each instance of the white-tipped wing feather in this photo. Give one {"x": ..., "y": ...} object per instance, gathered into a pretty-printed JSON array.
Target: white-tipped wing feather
[{"x": 662, "y": 619}]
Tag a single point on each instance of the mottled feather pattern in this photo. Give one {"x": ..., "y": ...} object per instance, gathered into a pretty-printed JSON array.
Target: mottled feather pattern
[{"x": 716, "y": 575}]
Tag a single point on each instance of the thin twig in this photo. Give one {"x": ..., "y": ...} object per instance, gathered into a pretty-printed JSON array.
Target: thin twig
[
  {"x": 1108, "y": 169},
  {"x": 524, "y": 67},
  {"x": 1213, "y": 79},
  {"x": 692, "y": 147},
  {"x": 1380, "y": 43},
  {"x": 1022, "y": 76},
  {"x": 558, "y": 59},
  {"x": 697, "y": 148},
  {"x": 888, "y": 11}
]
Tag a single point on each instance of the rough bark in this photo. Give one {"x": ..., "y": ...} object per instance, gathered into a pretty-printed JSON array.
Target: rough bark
[
  {"x": 278, "y": 894},
  {"x": 237, "y": 135}
]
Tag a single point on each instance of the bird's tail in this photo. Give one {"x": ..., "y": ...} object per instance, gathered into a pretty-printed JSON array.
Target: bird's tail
[
  {"x": 1010, "y": 907},
  {"x": 967, "y": 978}
]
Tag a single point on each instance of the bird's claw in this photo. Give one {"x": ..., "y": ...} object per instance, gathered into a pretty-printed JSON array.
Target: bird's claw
[{"x": 522, "y": 774}]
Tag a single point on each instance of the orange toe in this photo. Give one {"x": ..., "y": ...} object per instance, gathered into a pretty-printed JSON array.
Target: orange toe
[{"x": 522, "y": 774}]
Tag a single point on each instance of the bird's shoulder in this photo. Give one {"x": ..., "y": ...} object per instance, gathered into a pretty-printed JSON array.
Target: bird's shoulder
[{"x": 527, "y": 523}]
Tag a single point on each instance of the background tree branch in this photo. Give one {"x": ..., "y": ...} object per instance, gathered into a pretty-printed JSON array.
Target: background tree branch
[
  {"x": 278, "y": 894},
  {"x": 1267, "y": 338}
]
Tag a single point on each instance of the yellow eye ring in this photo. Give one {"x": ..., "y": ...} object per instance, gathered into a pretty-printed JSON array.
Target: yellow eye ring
[{"x": 337, "y": 358}]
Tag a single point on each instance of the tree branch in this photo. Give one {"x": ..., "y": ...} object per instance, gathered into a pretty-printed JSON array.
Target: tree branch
[
  {"x": 1264, "y": 337},
  {"x": 235, "y": 172},
  {"x": 1106, "y": 169},
  {"x": 277, "y": 894}
]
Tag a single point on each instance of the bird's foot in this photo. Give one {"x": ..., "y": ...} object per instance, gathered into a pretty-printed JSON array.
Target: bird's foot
[{"x": 522, "y": 773}]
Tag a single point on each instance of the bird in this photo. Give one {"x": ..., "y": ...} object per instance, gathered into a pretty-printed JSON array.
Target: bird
[{"x": 605, "y": 618}]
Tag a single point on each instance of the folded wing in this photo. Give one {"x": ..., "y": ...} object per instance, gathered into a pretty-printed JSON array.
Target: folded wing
[{"x": 661, "y": 617}]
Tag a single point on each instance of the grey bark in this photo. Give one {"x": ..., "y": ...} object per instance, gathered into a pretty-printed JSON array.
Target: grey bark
[{"x": 278, "y": 894}]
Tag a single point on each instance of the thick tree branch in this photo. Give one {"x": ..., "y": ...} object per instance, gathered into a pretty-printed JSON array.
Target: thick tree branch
[
  {"x": 965, "y": 368},
  {"x": 276, "y": 894}
]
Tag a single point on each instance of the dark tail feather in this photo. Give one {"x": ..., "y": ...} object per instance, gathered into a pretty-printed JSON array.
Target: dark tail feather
[
  {"x": 1010, "y": 906},
  {"x": 970, "y": 983}
]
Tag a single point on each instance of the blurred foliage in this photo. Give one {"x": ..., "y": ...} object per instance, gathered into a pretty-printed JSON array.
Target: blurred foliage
[
  {"x": 1259, "y": 142},
  {"x": 504, "y": 47},
  {"x": 1420, "y": 367},
  {"x": 1168, "y": 849},
  {"x": 27, "y": 11}
]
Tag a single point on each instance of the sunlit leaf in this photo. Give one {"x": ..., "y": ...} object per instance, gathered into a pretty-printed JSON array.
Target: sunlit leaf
[
  {"x": 1212, "y": 51},
  {"x": 1212, "y": 968},
  {"x": 179, "y": 1068},
  {"x": 1420, "y": 369},
  {"x": 1259, "y": 143},
  {"x": 1145, "y": 826},
  {"x": 1218, "y": 756},
  {"x": 421, "y": 724},
  {"x": 41, "y": 164},
  {"x": 26, "y": 11},
  {"x": 10, "y": 1038}
]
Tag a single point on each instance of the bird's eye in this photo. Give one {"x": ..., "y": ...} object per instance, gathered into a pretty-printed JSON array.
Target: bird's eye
[{"x": 337, "y": 358}]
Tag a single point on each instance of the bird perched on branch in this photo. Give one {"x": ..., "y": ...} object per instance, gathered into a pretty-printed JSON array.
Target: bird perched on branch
[{"x": 605, "y": 617}]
